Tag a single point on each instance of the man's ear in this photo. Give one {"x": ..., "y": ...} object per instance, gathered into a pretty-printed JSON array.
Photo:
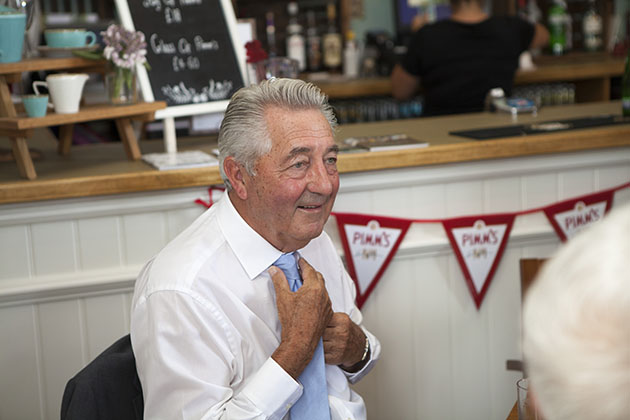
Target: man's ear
[{"x": 235, "y": 172}]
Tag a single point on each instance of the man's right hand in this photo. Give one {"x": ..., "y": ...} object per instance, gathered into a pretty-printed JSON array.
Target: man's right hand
[{"x": 303, "y": 316}]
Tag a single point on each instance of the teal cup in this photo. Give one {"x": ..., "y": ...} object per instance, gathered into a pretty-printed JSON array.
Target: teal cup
[
  {"x": 69, "y": 38},
  {"x": 35, "y": 105},
  {"x": 12, "y": 27}
]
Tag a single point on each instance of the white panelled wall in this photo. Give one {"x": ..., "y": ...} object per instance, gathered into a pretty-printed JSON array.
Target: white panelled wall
[{"x": 67, "y": 269}]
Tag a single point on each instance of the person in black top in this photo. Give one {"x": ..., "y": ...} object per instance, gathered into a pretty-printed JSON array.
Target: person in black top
[{"x": 460, "y": 59}]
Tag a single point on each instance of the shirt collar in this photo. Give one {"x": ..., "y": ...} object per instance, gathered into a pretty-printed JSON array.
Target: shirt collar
[{"x": 252, "y": 250}]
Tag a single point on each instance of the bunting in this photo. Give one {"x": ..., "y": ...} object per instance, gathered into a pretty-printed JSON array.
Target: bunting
[{"x": 370, "y": 241}]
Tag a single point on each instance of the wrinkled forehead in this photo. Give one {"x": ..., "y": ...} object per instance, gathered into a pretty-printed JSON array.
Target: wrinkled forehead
[{"x": 289, "y": 128}]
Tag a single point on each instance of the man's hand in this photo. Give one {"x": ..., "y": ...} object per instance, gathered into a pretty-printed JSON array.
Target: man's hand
[
  {"x": 344, "y": 341},
  {"x": 303, "y": 315}
]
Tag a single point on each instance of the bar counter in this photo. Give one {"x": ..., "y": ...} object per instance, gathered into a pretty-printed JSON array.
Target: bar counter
[{"x": 100, "y": 169}]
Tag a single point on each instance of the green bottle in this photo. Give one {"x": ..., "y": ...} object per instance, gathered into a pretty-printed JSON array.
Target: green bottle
[
  {"x": 557, "y": 32},
  {"x": 625, "y": 88}
]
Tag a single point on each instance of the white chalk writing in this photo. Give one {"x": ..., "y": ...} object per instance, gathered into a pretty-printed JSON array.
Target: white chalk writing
[
  {"x": 158, "y": 46},
  {"x": 202, "y": 45},
  {"x": 181, "y": 94}
]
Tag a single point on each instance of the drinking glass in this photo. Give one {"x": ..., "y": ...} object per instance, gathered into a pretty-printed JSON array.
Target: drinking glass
[
  {"x": 277, "y": 67},
  {"x": 527, "y": 409}
]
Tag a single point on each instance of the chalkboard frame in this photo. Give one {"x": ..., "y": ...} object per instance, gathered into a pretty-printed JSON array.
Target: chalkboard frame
[{"x": 189, "y": 109}]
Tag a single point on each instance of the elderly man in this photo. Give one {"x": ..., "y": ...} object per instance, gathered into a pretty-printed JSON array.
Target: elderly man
[
  {"x": 576, "y": 322},
  {"x": 220, "y": 326}
]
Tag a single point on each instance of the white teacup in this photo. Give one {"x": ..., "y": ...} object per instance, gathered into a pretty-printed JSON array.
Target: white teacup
[{"x": 65, "y": 90}]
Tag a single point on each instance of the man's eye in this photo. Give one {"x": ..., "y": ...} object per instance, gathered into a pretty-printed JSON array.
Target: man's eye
[
  {"x": 299, "y": 165},
  {"x": 331, "y": 160}
]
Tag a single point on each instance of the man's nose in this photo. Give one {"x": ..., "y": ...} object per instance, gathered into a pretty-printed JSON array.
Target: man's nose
[{"x": 320, "y": 181}]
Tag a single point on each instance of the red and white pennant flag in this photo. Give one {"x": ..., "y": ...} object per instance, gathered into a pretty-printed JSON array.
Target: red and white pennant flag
[
  {"x": 369, "y": 243},
  {"x": 478, "y": 243},
  {"x": 572, "y": 216}
]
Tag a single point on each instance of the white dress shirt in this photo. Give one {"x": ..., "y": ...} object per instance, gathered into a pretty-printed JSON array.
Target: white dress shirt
[{"x": 204, "y": 325}]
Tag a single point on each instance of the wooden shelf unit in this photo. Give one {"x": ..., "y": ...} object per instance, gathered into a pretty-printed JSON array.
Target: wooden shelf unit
[
  {"x": 590, "y": 72},
  {"x": 87, "y": 113},
  {"x": 18, "y": 127}
]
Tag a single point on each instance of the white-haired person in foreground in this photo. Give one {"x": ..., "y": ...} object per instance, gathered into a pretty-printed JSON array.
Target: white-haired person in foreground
[{"x": 576, "y": 322}]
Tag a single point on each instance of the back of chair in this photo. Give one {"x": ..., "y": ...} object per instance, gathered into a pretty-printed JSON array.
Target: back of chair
[
  {"x": 529, "y": 270},
  {"x": 107, "y": 388}
]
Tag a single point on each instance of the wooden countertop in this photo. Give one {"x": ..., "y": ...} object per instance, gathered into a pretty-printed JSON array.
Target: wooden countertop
[
  {"x": 98, "y": 169},
  {"x": 549, "y": 69}
]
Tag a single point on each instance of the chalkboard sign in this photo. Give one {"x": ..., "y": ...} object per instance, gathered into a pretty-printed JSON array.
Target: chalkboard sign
[{"x": 197, "y": 61}]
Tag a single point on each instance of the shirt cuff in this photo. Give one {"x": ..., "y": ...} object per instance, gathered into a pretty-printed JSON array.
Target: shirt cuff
[{"x": 272, "y": 390}]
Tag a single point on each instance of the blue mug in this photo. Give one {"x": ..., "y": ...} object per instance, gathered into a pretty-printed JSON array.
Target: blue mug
[
  {"x": 12, "y": 27},
  {"x": 35, "y": 105},
  {"x": 69, "y": 38}
]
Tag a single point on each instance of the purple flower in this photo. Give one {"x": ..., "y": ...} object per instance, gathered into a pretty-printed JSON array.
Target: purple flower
[{"x": 123, "y": 47}]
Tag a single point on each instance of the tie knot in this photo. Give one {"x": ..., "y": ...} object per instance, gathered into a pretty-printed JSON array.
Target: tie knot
[{"x": 288, "y": 264}]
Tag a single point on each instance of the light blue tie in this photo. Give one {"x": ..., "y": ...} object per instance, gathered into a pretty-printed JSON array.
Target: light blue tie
[{"x": 313, "y": 404}]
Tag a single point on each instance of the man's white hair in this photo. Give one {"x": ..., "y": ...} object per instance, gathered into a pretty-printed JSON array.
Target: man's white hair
[
  {"x": 243, "y": 133},
  {"x": 576, "y": 321}
]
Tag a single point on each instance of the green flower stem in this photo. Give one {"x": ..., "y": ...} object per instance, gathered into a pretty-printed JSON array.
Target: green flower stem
[
  {"x": 118, "y": 81},
  {"x": 123, "y": 78}
]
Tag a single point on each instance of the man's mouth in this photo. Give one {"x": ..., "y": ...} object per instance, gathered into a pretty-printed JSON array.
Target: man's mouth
[{"x": 309, "y": 207}]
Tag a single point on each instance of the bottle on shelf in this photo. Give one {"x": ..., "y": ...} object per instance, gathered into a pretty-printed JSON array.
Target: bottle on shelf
[
  {"x": 625, "y": 88},
  {"x": 558, "y": 23},
  {"x": 295, "y": 39},
  {"x": 332, "y": 42},
  {"x": 270, "y": 29},
  {"x": 313, "y": 43},
  {"x": 592, "y": 28},
  {"x": 351, "y": 56}
]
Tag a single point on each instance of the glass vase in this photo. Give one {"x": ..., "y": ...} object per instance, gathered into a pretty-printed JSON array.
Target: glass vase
[{"x": 121, "y": 85}]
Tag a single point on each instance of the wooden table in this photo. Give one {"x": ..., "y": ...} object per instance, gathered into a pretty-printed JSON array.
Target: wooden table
[{"x": 513, "y": 413}]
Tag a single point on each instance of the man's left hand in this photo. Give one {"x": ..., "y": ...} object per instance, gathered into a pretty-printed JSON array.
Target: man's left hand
[{"x": 344, "y": 341}]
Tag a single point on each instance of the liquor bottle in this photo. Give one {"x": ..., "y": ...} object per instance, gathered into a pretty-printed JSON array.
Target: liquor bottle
[
  {"x": 270, "y": 29},
  {"x": 313, "y": 43},
  {"x": 557, "y": 27},
  {"x": 625, "y": 88},
  {"x": 592, "y": 28},
  {"x": 351, "y": 57},
  {"x": 332, "y": 42},
  {"x": 295, "y": 39}
]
